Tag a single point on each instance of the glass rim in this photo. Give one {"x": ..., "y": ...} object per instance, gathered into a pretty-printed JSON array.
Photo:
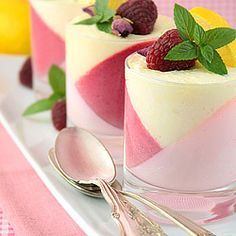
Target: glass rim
[{"x": 174, "y": 83}]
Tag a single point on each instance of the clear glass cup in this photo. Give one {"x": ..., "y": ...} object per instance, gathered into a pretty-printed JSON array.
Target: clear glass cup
[
  {"x": 95, "y": 79},
  {"x": 48, "y": 22},
  {"x": 180, "y": 141}
]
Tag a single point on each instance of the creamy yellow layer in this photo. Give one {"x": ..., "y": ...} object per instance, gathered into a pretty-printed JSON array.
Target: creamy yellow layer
[
  {"x": 171, "y": 104},
  {"x": 86, "y": 46}
]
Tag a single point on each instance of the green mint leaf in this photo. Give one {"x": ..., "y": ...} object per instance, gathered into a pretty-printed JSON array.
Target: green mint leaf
[
  {"x": 55, "y": 97},
  {"x": 105, "y": 27},
  {"x": 216, "y": 66},
  {"x": 207, "y": 52},
  {"x": 199, "y": 35},
  {"x": 220, "y": 37},
  {"x": 90, "y": 21},
  {"x": 186, "y": 50},
  {"x": 57, "y": 80},
  {"x": 101, "y": 6},
  {"x": 42, "y": 105},
  {"x": 107, "y": 15},
  {"x": 184, "y": 21}
]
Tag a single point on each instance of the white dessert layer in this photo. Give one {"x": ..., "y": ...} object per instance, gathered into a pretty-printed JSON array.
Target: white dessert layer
[
  {"x": 171, "y": 104},
  {"x": 81, "y": 115},
  {"x": 88, "y": 45},
  {"x": 57, "y": 13}
]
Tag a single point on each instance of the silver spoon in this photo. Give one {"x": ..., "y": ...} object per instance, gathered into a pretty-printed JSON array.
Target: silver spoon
[
  {"x": 84, "y": 159},
  {"x": 138, "y": 222}
]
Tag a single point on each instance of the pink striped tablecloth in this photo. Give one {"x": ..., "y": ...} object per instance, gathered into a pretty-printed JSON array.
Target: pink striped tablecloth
[
  {"x": 5, "y": 227},
  {"x": 227, "y": 8}
]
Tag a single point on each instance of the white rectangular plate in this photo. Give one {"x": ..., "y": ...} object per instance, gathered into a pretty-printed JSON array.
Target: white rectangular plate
[{"x": 35, "y": 136}]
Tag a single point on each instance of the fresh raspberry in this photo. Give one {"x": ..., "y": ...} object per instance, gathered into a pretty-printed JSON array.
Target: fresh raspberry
[
  {"x": 143, "y": 14},
  {"x": 26, "y": 74},
  {"x": 59, "y": 115},
  {"x": 159, "y": 50}
]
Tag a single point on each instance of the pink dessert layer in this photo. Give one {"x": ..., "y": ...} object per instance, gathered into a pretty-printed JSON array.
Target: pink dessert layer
[
  {"x": 140, "y": 145},
  {"x": 103, "y": 86},
  {"x": 204, "y": 159},
  {"x": 48, "y": 47}
]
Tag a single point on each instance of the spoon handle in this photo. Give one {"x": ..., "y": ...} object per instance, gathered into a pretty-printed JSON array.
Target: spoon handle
[
  {"x": 189, "y": 226},
  {"x": 129, "y": 219}
]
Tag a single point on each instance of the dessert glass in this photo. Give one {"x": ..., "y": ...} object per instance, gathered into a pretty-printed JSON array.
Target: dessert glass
[
  {"x": 180, "y": 139},
  {"x": 95, "y": 79},
  {"x": 48, "y": 22}
]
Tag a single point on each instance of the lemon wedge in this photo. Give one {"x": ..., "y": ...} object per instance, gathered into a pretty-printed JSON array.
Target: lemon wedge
[
  {"x": 14, "y": 27},
  {"x": 209, "y": 19}
]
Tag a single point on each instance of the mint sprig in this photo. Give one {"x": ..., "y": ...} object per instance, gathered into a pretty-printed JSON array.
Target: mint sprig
[
  {"x": 103, "y": 17},
  {"x": 198, "y": 43},
  {"x": 57, "y": 80}
]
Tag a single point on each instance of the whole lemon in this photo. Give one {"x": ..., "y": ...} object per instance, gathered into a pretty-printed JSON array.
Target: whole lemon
[{"x": 14, "y": 27}]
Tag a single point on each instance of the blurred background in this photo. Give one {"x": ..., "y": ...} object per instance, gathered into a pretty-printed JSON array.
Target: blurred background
[
  {"x": 226, "y": 8},
  {"x": 15, "y": 23}
]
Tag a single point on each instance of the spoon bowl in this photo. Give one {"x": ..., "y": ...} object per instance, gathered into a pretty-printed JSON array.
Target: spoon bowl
[{"x": 82, "y": 157}]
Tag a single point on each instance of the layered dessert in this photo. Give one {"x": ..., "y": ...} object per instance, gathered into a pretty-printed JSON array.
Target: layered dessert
[
  {"x": 95, "y": 65},
  {"x": 180, "y": 119},
  {"x": 48, "y": 22}
]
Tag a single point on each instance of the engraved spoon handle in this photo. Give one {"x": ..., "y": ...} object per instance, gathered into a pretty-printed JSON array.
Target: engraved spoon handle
[
  {"x": 189, "y": 226},
  {"x": 130, "y": 220}
]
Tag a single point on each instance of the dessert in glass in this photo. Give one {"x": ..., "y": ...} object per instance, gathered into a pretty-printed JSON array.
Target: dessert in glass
[
  {"x": 95, "y": 75},
  {"x": 48, "y": 22},
  {"x": 180, "y": 128}
]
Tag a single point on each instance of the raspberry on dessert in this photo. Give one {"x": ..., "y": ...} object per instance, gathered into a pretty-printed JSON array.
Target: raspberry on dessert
[
  {"x": 26, "y": 74},
  {"x": 159, "y": 50},
  {"x": 143, "y": 14},
  {"x": 59, "y": 115}
]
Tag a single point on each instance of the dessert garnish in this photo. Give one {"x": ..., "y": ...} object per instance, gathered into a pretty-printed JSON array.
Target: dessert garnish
[
  {"x": 143, "y": 14},
  {"x": 26, "y": 74},
  {"x": 57, "y": 80},
  {"x": 59, "y": 114},
  {"x": 122, "y": 27},
  {"x": 178, "y": 49},
  {"x": 133, "y": 16},
  {"x": 103, "y": 17},
  {"x": 157, "y": 53},
  {"x": 89, "y": 10},
  {"x": 144, "y": 51},
  {"x": 209, "y": 19}
]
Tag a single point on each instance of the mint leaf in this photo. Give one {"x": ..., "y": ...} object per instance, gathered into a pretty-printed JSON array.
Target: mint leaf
[
  {"x": 186, "y": 50},
  {"x": 207, "y": 52},
  {"x": 101, "y": 6},
  {"x": 216, "y": 65},
  {"x": 184, "y": 21},
  {"x": 105, "y": 27},
  {"x": 90, "y": 21},
  {"x": 40, "y": 106},
  {"x": 220, "y": 37},
  {"x": 199, "y": 35},
  {"x": 57, "y": 79},
  {"x": 107, "y": 15}
]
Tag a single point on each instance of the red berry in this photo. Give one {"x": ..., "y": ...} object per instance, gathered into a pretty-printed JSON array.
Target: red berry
[
  {"x": 143, "y": 14},
  {"x": 26, "y": 74},
  {"x": 159, "y": 50},
  {"x": 59, "y": 115}
]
